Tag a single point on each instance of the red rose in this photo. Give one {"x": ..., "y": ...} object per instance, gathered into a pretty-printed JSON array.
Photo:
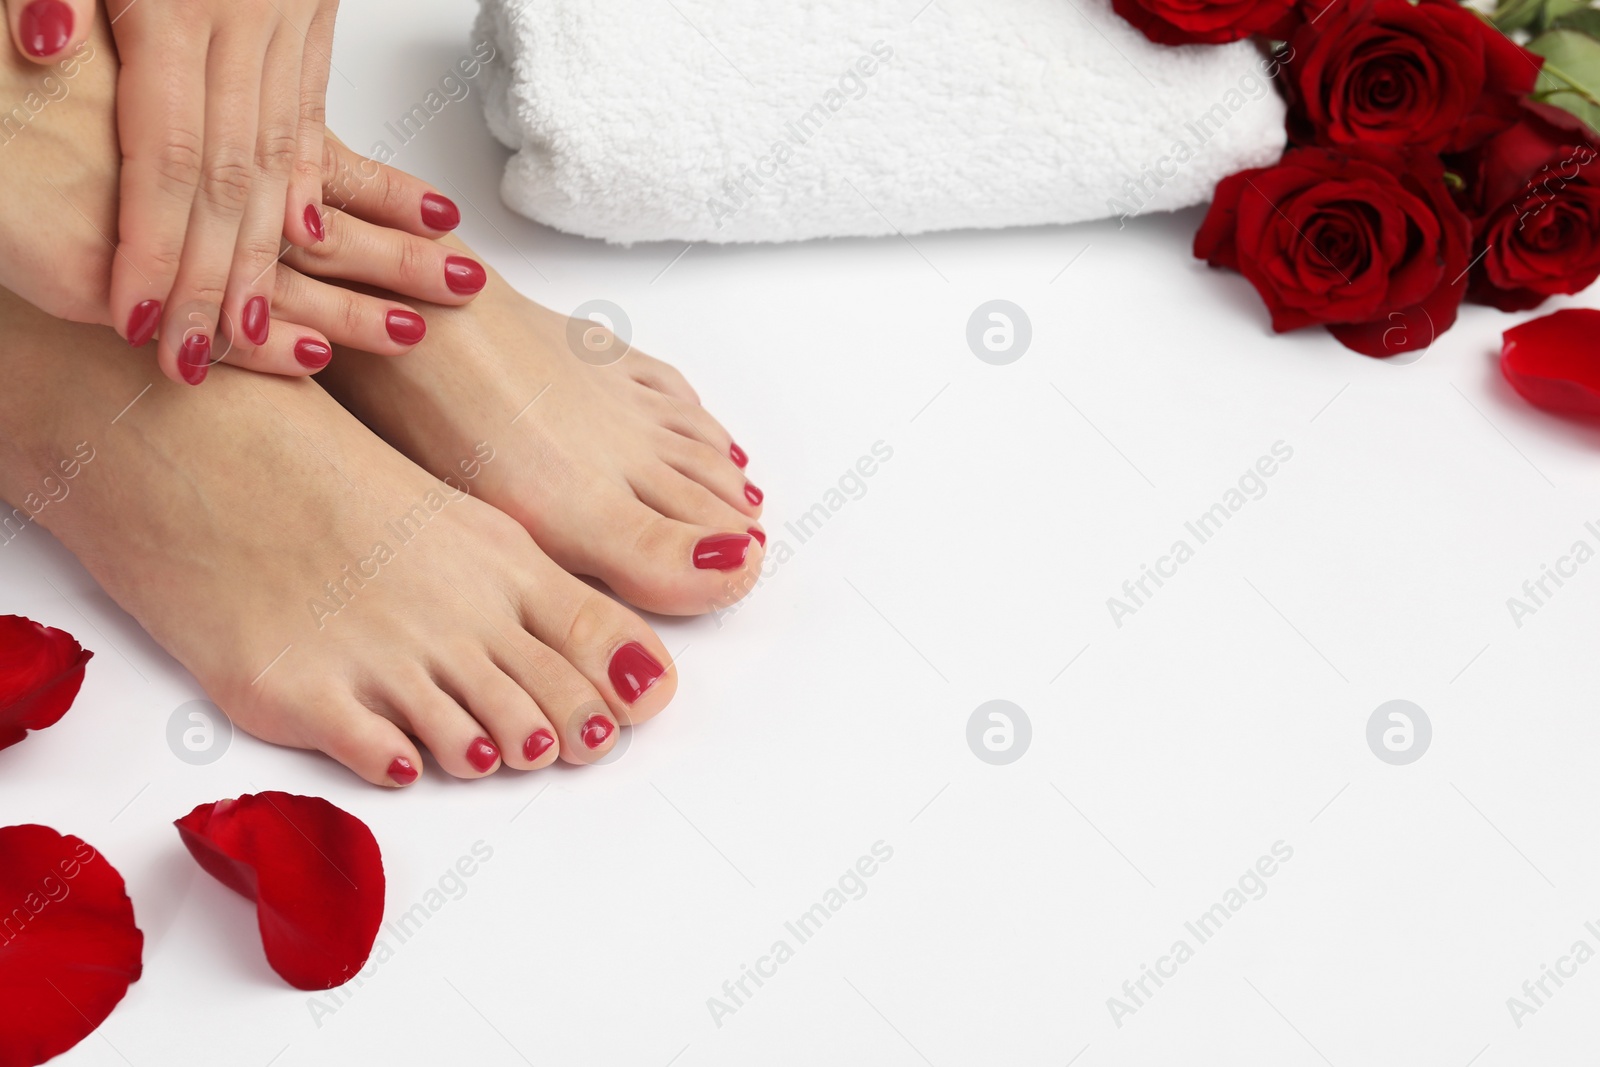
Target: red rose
[
  {"x": 1205, "y": 21},
  {"x": 1432, "y": 76},
  {"x": 1533, "y": 193},
  {"x": 1371, "y": 247}
]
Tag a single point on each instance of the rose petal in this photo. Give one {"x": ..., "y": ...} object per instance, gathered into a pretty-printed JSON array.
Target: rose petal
[
  {"x": 1554, "y": 361},
  {"x": 314, "y": 871},
  {"x": 69, "y": 948},
  {"x": 41, "y": 669}
]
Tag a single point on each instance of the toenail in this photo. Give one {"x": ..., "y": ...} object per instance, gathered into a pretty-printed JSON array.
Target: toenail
[
  {"x": 309, "y": 352},
  {"x": 721, "y": 552},
  {"x": 313, "y": 220},
  {"x": 439, "y": 212},
  {"x": 736, "y": 454},
  {"x": 633, "y": 670},
  {"x": 463, "y": 276},
  {"x": 142, "y": 322},
  {"x": 596, "y": 730},
  {"x": 401, "y": 772},
  {"x": 761, "y": 538},
  {"x": 537, "y": 744},
  {"x": 256, "y": 320},
  {"x": 194, "y": 358},
  {"x": 752, "y": 494},
  {"x": 482, "y": 754},
  {"x": 405, "y": 327},
  {"x": 45, "y": 27}
]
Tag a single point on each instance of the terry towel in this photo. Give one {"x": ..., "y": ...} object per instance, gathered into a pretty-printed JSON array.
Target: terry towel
[{"x": 782, "y": 120}]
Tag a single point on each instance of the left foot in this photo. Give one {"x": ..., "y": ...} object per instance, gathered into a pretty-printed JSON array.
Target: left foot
[{"x": 616, "y": 470}]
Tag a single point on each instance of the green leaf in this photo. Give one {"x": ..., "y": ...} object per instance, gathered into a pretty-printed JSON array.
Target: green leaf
[
  {"x": 1571, "y": 76},
  {"x": 1586, "y": 20},
  {"x": 1552, "y": 11},
  {"x": 1511, "y": 15}
]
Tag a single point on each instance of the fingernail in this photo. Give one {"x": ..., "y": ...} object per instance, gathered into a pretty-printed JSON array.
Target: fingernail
[
  {"x": 752, "y": 494},
  {"x": 439, "y": 212},
  {"x": 633, "y": 670},
  {"x": 142, "y": 322},
  {"x": 596, "y": 730},
  {"x": 464, "y": 276},
  {"x": 736, "y": 454},
  {"x": 256, "y": 320},
  {"x": 194, "y": 358},
  {"x": 538, "y": 742},
  {"x": 401, "y": 772},
  {"x": 721, "y": 552},
  {"x": 405, "y": 327},
  {"x": 482, "y": 754},
  {"x": 761, "y": 538},
  {"x": 312, "y": 353},
  {"x": 313, "y": 219},
  {"x": 46, "y": 27}
]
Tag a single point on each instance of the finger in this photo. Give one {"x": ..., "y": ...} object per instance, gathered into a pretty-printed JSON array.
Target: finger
[
  {"x": 346, "y": 317},
  {"x": 290, "y": 350},
  {"x": 161, "y": 126},
  {"x": 302, "y": 213},
  {"x": 261, "y": 230},
  {"x": 189, "y": 325},
  {"x": 410, "y": 266},
  {"x": 384, "y": 196},
  {"x": 47, "y": 31}
]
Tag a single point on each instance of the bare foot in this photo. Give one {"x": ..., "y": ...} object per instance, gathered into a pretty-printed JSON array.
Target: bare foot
[
  {"x": 325, "y": 591},
  {"x": 615, "y": 469}
]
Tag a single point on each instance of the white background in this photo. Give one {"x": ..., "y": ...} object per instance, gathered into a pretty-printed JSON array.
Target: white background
[{"x": 830, "y": 711}]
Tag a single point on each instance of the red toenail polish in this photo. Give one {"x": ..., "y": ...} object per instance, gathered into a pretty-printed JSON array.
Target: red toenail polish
[
  {"x": 633, "y": 670},
  {"x": 405, "y": 327},
  {"x": 194, "y": 358},
  {"x": 761, "y": 538},
  {"x": 142, "y": 322},
  {"x": 482, "y": 754},
  {"x": 736, "y": 454},
  {"x": 309, "y": 352},
  {"x": 464, "y": 276},
  {"x": 721, "y": 552},
  {"x": 46, "y": 27},
  {"x": 439, "y": 212},
  {"x": 596, "y": 730},
  {"x": 538, "y": 742},
  {"x": 752, "y": 494},
  {"x": 256, "y": 320},
  {"x": 313, "y": 219},
  {"x": 401, "y": 772}
]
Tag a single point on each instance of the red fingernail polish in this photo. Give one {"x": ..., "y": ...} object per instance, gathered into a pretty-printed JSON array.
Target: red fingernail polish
[
  {"x": 313, "y": 219},
  {"x": 312, "y": 353},
  {"x": 752, "y": 494},
  {"x": 142, "y": 322},
  {"x": 256, "y": 320},
  {"x": 401, "y": 772},
  {"x": 736, "y": 454},
  {"x": 463, "y": 275},
  {"x": 439, "y": 212},
  {"x": 721, "y": 552},
  {"x": 761, "y": 538},
  {"x": 482, "y": 754},
  {"x": 596, "y": 730},
  {"x": 633, "y": 670},
  {"x": 538, "y": 742},
  {"x": 405, "y": 327},
  {"x": 194, "y": 358},
  {"x": 46, "y": 27}
]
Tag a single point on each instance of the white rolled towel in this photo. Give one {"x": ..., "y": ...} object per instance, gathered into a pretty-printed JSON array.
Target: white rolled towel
[{"x": 782, "y": 120}]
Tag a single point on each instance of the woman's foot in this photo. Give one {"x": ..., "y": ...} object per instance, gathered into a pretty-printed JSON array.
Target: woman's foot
[
  {"x": 614, "y": 467},
  {"x": 326, "y": 592}
]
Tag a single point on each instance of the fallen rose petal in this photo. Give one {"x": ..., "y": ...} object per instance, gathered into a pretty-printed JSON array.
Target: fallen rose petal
[
  {"x": 314, "y": 871},
  {"x": 1554, "y": 361},
  {"x": 69, "y": 948},
  {"x": 41, "y": 669}
]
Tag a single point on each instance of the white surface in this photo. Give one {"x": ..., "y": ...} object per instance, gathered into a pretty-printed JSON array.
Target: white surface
[
  {"x": 1227, "y": 715},
  {"x": 725, "y": 120}
]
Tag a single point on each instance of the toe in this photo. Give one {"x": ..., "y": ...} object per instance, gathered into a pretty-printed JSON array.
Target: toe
[
  {"x": 505, "y": 708},
  {"x": 362, "y": 740},
  {"x": 715, "y": 470},
  {"x": 670, "y": 567},
  {"x": 662, "y": 377},
  {"x": 460, "y": 744},
  {"x": 677, "y": 496},
  {"x": 692, "y": 421}
]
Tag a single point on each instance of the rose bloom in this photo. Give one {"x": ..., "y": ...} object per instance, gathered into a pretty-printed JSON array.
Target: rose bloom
[
  {"x": 1533, "y": 193},
  {"x": 1206, "y": 21},
  {"x": 1432, "y": 76},
  {"x": 1371, "y": 247}
]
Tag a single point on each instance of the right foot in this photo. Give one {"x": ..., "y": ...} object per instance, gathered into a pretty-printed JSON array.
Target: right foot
[{"x": 325, "y": 592}]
